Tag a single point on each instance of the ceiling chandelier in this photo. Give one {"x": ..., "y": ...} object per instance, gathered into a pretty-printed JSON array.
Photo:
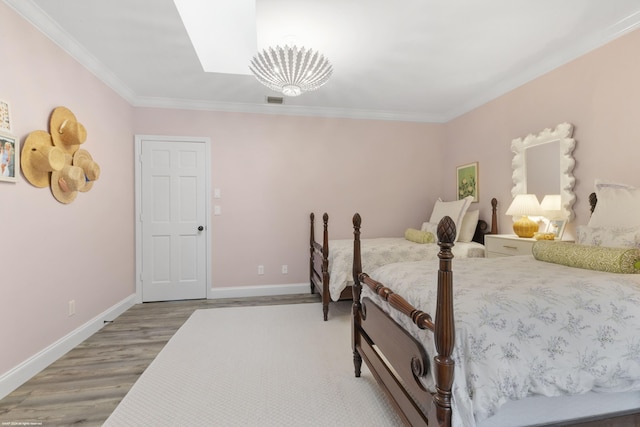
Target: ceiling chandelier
[{"x": 291, "y": 70}]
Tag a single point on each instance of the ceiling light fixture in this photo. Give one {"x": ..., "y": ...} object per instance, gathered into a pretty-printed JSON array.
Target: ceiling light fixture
[{"x": 291, "y": 70}]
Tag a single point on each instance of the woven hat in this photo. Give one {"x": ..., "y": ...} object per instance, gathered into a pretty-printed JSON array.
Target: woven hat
[
  {"x": 91, "y": 169},
  {"x": 66, "y": 132},
  {"x": 39, "y": 157},
  {"x": 66, "y": 182}
]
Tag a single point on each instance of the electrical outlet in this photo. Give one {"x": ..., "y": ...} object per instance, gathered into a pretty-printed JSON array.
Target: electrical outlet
[
  {"x": 260, "y": 270},
  {"x": 72, "y": 307},
  {"x": 285, "y": 269}
]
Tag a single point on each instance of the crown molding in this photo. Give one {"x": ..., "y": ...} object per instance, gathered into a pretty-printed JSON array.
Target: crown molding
[
  {"x": 288, "y": 110},
  {"x": 620, "y": 28},
  {"x": 31, "y": 12}
]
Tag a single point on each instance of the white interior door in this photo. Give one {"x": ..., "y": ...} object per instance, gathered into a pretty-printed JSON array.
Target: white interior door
[{"x": 173, "y": 219}]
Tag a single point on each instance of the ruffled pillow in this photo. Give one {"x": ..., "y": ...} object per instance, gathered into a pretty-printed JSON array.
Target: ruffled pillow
[
  {"x": 418, "y": 236},
  {"x": 600, "y": 258}
]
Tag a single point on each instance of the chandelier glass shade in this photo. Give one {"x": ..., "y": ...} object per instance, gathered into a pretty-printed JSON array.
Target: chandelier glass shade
[{"x": 291, "y": 70}]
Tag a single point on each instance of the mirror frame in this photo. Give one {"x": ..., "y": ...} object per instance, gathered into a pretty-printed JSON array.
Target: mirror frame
[{"x": 519, "y": 146}]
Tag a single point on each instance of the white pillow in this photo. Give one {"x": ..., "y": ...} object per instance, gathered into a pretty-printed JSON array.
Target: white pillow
[
  {"x": 468, "y": 227},
  {"x": 602, "y": 183},
  {"x": 430, "y": 227},
  {"x": 612, "y": 237},
  {"x": 455, "y": 210},
  {"x": 617, "y": 206}
]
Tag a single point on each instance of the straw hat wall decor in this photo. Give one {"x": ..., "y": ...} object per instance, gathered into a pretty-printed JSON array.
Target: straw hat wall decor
[
  {"x": 55, "y": 159},
  {"x": 66, "y": 131},
  {"x": 39, "y": 158},
  {"x": 66, "y": 183},
  {"x": 91, "y": 169}
]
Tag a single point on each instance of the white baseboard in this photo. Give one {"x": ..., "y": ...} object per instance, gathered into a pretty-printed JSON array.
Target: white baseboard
[
  {"x": 259, "y": 291},
  {"x": 14, "y": 378}
]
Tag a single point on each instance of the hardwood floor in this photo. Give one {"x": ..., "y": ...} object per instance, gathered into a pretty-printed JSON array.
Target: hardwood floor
[{"x": 84, "y": 386}]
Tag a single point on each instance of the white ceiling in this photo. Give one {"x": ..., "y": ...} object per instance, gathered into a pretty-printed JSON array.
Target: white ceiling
[{"x": 414, "y": 60}]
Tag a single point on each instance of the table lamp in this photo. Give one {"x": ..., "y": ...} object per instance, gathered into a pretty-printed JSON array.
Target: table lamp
[
  {"x": 551, "y": 206},
  {"x": 524, "y": 205}
]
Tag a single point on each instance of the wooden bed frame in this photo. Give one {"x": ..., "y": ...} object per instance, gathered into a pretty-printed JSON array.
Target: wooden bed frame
[
  {"x": 319, "y": 256},
  {"x": 397, "y": 360}
]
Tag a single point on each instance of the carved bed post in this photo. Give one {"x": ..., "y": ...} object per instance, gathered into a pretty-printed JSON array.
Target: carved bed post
[
  {"x": 325, "y": 267},
  {"x": 356, "y": 289},
  {"x": 312, "y": 239},
  {"x": 593, "y": 201},
  {"x": 444, "y": 324},
  {"x": 494, "y": 219}
]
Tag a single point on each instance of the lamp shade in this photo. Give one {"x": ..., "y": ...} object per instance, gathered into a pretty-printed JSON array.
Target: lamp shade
[
  {"x": 551, "y": 206},
  {"x": 524, "y": 205}
]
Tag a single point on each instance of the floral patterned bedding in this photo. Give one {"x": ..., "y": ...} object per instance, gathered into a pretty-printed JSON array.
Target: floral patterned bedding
[
  {"x": 526, "y": 327},
  {"x": 381, "y": 251}
]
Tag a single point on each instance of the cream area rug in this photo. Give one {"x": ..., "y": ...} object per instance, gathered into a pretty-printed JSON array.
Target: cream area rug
[{"x": 257, "y": 366}]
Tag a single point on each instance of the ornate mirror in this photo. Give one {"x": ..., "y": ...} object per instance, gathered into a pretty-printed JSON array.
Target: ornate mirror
[{"x": 543, "y": 164}]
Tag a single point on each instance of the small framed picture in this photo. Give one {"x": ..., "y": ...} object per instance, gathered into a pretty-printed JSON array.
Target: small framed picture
[
  {"x": 9, "y": 159},
  {"x": 556, "y": 226},
  {"x": 467, "y": 181},
  {"x": 5, "y": 117}
]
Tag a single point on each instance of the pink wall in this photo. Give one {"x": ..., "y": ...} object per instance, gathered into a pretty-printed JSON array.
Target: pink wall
[
  {"x": 274, "y": 170},
  {"x": 599, "y": 93},
  {"x": 51, "y": 253}
]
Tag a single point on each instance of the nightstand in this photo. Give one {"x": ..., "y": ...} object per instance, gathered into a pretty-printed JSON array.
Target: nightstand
[{"x": 497, "y": 245}]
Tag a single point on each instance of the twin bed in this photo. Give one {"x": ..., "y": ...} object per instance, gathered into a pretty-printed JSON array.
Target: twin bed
[
  {"x": 549, "y": 339},
  {"x": 331, "y": 262}
]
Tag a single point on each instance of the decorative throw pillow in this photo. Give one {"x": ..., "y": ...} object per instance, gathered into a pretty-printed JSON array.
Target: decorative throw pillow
[
  {"x": 455, "y": 210},
  {"x": 418, "y": 236},
  {"x": 618, "y": 206},
  {"x": 602, "y": 183},
  {"x": 468, "y": 227},
  {"x": 600, "y": 258},
  {"x": 431, "y": 227},
  {"x": 613, "y": 237}
]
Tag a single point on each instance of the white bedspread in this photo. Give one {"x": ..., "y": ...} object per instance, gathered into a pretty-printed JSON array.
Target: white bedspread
[
  {"x": 382, "y": 251},
  {"x": 526, "y": 327}
]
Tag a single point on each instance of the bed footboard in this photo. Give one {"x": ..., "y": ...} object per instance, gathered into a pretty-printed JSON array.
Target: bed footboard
[
  {"x": 319, "y": 263},
  {"x": 396, "y": 359}
]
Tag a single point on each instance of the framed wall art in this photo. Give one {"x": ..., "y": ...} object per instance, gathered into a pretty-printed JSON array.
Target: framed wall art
[
  {"x": 5, "y": 117},
  {"x": 556, "y": 226},
  {"x": 9, "y": 159},
  {"x": 467, "y": 181}
]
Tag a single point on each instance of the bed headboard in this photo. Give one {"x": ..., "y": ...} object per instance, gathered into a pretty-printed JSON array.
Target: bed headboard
[
  {"x": 593, "y": 199},
  {"x": 483, "y": 227}
]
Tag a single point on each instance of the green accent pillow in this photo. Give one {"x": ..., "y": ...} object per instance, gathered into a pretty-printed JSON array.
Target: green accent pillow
[
  {"x": 600, "y": 258},
  {"x": 418, "y": 236}
]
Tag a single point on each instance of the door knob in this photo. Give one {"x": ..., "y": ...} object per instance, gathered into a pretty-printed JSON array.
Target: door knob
[{"x": 200, "y": 228}]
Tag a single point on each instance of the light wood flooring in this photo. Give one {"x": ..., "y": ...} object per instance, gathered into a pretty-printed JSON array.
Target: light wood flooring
[{"x": 84, "y": 386}]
